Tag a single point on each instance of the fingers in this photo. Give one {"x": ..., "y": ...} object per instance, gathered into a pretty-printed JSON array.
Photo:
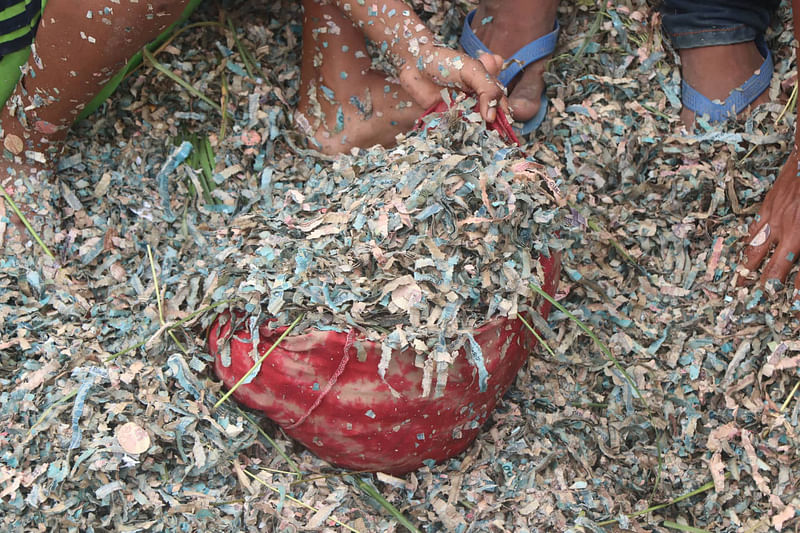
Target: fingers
[
  {"x": 476, "y": 78},
  {"x": 448, "y": 68},
  {"x": 796, "y": 303},
  {"x": 760, "y": 241},
  {"x": 782, "y": 260},
  {"x": 493, "y": 63}
]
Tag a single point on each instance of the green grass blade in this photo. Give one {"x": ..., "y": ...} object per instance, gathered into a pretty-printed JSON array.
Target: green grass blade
[
  {"x": 177, "y": 324},
  {"x": 681, "y": 527},
  {"x": 50, "y": 408},
  {"x": 594, "y": 226},
  {"x": 224, "y": 102},
  {"x": 126, "y": 350},
  {"x": 205, "y": 174},
  {"x": 272, "y": 443},
  {"x": 180, "y": 81},
  {"x": 590, "y": 37},
  {"x": 789, "y": 398},
  {"x": 249, "y": 61},
  {"x": 373, "y": 493},
  {"x": 789, "y": 103},
  {"x": 538, "y": 337},
  {"x": 207, "y": 161},
  {"x": 193, "y": 161},
  {"x": 538, "y": 290},
  {"x": 242, "y": 52},
  {"x": 703, "y": 488},
  {"x": 159, "y": 300},
  {"x": 194, "y": 314},
  {"x": 298, "y": 502},
  {"x": 24, "y": 220},
  {"x": 261, "y": 360},
  {"x": 201, "y": 159},
  {"x": 156, "y": 283}
]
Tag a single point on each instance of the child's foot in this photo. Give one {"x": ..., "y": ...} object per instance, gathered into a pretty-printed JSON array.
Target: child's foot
[
  {"x": 374, "y": 112},
  {"x": 27, "y": 155},
  {"x": 715, "y": 71},
  {"x": 77, "y": 51},
  {"x": 29, "y": 188},
  {"x": 505, "y": 27},
  {"x": 343, "y": 102}
]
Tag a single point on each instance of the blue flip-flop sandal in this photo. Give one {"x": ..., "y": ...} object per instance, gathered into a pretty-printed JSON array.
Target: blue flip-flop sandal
[
  {"x": 530, "y": 53},
  {"x": 738, "y": 100}
]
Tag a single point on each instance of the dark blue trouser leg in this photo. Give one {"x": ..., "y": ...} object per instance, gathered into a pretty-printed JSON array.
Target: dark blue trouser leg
[{"x": 695, "y": 23}]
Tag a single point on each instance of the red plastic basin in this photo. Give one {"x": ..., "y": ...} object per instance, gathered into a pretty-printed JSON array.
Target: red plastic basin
[{"x": 363, "y": 422}]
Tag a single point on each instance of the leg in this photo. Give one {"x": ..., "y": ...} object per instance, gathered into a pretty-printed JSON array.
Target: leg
[
  {"x": 76, "y": 55},
  {"x": 505, "y": 28},
  {"x": 777, "y": 224},
  {"x": 716, "y": 43}
]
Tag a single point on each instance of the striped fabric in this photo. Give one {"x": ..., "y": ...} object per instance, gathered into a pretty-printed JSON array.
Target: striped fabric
[{"x": 18, "y": 22}]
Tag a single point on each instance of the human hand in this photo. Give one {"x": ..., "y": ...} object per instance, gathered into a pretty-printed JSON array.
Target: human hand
[
  {"x": 443, "y": 67},
  {"x": 425, "y": 66},
  {"x": 778, "y": 225}
]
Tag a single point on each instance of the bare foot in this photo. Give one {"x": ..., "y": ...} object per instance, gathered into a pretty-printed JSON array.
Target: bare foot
[
  {"x": 715, "y": 71},
  {"x": 505, "y": 27},
  {"x": 343, "y": 102},
  {"x": 35, "y": 202},
  {"x": 76, "y": 55},
  {"x": 26, "y": 162}
]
